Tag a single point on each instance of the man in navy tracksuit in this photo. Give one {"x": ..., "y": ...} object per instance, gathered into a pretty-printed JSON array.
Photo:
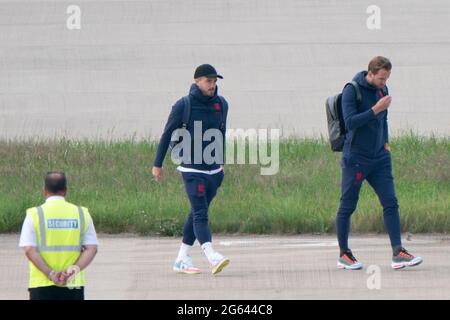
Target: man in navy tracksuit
[
  {"x": 366, "y": 156},
  {"x": 201, "y": 178}
]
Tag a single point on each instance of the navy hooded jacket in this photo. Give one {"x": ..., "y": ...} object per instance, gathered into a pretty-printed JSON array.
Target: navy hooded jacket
[
  {"x": 206, "y": 109},
  {"x": 369, "y": 131}
]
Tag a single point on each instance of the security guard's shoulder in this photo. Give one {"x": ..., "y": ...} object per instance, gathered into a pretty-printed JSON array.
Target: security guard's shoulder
[
  {"x": 32, "y": 210},
  {"x": 85, "y": 210},
  {"x": 77, "y": 206}
]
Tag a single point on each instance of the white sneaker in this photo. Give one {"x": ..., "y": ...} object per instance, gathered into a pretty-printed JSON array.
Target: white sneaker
[
  {"x": 185, "y": 266},
  {"x": 218, "y": 262}
]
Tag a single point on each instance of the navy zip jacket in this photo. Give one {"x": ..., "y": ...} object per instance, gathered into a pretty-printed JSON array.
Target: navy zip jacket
[
  {"x": 206, "y": 109},
  {"x": 370, "y": 130}
]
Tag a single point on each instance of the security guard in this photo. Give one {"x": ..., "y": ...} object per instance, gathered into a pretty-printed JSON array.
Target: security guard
[{"x": 60, "y": 241}]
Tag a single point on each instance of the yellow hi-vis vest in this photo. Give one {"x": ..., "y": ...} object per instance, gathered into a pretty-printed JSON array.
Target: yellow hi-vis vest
[{"x": 60, "y": 227}]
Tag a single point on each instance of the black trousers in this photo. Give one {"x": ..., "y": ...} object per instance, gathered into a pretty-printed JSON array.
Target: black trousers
[{"x": 56, "y": 293}]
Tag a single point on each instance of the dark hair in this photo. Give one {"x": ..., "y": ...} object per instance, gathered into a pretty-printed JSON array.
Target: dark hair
[
  {"x": 55, "y": 181},
  {"x": 378, "y": 63}
]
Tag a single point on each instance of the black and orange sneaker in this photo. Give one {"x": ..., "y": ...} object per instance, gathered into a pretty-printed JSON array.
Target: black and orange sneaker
[
  {"x": 348, "y": 261},
  {"x": 405, "y": 259}
]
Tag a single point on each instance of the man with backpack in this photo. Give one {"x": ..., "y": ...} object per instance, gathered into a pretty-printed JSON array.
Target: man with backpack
[
  {"x": 366, "y": 156},
  {"x": 201, "y": 178}
]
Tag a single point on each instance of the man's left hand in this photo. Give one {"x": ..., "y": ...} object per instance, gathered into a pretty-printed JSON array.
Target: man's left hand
[{"x": 387, "y": 146}]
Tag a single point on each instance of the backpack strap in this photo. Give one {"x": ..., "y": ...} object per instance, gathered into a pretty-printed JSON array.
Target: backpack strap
[
  {"x": 358, "y": 103},
  {"x": 186, "y": 111},
  {"x": 224, "y": 110},
  {"x": 358, "y": 93}
]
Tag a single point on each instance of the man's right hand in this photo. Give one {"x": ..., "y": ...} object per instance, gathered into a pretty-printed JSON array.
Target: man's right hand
[
  {"x": 57, "y": 278},
  {"x": 157, "y": 173},
  {"x": 382, "y": 104}
]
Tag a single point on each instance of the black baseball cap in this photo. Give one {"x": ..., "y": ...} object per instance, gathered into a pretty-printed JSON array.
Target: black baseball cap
[{"x": 206, "y": 70}]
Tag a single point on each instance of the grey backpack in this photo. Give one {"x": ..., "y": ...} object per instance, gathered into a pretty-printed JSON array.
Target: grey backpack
[{"x": 335, "y": 119}]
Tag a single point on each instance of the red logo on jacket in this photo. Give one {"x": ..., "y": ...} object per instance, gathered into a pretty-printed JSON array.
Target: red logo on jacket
[
  {"x": 358, "y": 176},
  {"x": 217, "y": 106}
]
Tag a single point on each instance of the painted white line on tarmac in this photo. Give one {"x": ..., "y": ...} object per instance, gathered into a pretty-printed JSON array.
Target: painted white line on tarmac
[{"x": 292, "y": 243}]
